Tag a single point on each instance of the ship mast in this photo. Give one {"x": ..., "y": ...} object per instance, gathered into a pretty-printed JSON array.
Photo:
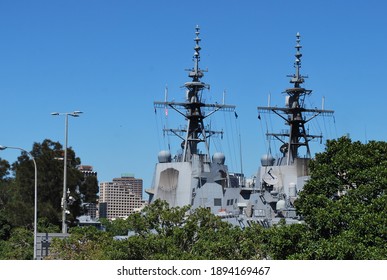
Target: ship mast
[
  {"x": 194, "y": 110},
  {"x": 295, "y": 113}
]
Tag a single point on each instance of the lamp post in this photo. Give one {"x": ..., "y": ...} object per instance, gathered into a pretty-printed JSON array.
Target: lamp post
[
  {"x": 64, "y": 202},
  {"x": 36, "y": 194}
]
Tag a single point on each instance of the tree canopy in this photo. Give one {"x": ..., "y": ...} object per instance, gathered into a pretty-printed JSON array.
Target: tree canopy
[
  {"x": 161, "y": 232},
  {"x": 344, "y": 205},
  {"x": 345, "y": 202},
  {"x": 17, "y": 191},
  {"x": 49, "y": 160}
]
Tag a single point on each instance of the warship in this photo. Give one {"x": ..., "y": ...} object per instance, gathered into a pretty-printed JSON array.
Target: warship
[
  {"x": 193, "y": 177},
  {"x": 270, "y": 197}
]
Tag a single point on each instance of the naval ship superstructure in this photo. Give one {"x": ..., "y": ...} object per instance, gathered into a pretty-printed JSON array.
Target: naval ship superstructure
[
  {"x": 271, "y": 196},
  {"x": 192, "y": 177}
]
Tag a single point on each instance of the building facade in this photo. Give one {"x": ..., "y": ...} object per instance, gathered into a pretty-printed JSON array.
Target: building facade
[
  {"x": 129, "y": 179},
  {"x": 121, "y": 197}
]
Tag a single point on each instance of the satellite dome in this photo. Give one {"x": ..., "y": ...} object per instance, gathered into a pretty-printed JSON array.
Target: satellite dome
[
  {"x": 219, "y": 158},
  {"x": 281, "y": 204},
  {"x": 164, "y": 156},
  {"x": 267, "y": 160}
]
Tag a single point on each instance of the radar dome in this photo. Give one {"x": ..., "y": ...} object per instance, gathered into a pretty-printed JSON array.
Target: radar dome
[
  {"x": 267, "y": 160},
  {"x": 281, "y": 204},
  {"x": 164, "y": 156},
  {"x": 219, "y": 158}
]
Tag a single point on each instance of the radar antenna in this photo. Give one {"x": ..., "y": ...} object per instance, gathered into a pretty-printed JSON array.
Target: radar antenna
[
  {"x": 295, "y": 113},
  {"x": 194, "y": 109}
]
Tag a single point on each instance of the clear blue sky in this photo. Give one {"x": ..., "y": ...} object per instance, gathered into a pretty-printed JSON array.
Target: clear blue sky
[{"x": 112, "y": 59}]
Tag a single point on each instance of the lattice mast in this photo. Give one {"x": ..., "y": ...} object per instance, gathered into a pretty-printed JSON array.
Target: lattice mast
[
  {"x": 295, "y": 113},
  {"x": 194, "y": 109}
]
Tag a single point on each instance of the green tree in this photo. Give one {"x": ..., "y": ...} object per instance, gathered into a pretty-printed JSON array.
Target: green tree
[
  {"x": 211, "y": 238},
  {"x": 19, "y": 246},
  {"x": 345, "y": 201},
  {"x": 5, "y": 226},
  {"x": 284, "y": 241},
  {"x": 4, "y": 169},
  {"x": 17, "y": 196},
  {"x": 44, "y": 225},
  {"x": 161, "y": 232},
  {"x": 115, "y": 227},
  {"x": 89, "y": 189},
  {"x": 84, "y": 243},
  {"x": 19, "y": 207},
  {"x": 5, "y": 223}
]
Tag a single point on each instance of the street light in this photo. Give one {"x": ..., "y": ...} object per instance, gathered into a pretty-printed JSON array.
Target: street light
[
  {"x": 36, "y": 193},
  {"x": 64, "y": 202}
]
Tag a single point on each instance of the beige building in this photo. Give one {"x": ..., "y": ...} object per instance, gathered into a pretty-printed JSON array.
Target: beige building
[
  {"x": 120, "y": 197},
  {"x": 128, "y": 179}
]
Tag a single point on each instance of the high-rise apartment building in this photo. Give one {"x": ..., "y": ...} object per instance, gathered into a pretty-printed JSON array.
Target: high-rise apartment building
[
  {"x": 121, "y": 197},
  {"x": 128, "y": 179}
]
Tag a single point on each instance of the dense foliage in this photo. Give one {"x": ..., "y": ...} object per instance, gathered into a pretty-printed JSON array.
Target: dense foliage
[
  {"x": 345, "y": 202},
  {"x": 161, "y": 232},
  {"x": 17, "y": 196},
  {"x": 344, "y": 205}
]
